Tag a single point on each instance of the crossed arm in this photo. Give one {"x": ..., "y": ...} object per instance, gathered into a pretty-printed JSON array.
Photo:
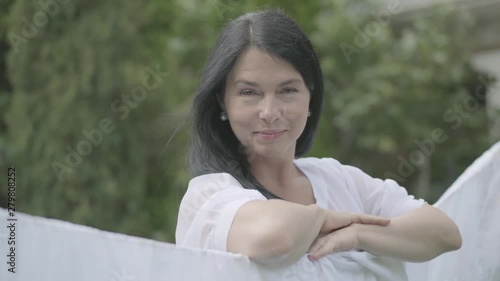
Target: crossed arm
[
  {"x": 294, "y": 230},
  {"x": 418, "y": 236}
]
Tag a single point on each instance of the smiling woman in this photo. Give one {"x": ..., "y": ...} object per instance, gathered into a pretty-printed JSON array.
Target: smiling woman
[
  {"x": 267, "y": 104},
  {"x": 254, "y": 117},
  {"x": 264, "y": 78}
]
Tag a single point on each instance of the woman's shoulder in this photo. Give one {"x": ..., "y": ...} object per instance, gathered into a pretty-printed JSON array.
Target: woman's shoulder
[
  {"x": 222, "y": 187},
  {"x": 323, "y": 162},
  {"x": 324, "y": 167},
  {"x": 329, "y": 164},
  {"x": 212, "y": 178},
  {"x": 213, "y": 182}
]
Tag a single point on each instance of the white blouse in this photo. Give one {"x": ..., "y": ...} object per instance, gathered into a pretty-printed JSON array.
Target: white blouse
[{"x": 211, "y": 201}]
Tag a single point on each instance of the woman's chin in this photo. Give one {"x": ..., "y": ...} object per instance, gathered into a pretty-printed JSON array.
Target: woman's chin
[{"x": 268, "y": 152}]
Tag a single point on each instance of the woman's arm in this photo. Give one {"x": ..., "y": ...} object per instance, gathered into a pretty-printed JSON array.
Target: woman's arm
[
  {"x": 278, "y": 232},
  {"x": 418, "y": 236},
  {"x": 266, "y": 231}
]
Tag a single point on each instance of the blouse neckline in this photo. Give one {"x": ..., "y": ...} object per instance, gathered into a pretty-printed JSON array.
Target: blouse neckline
[{"x": 310, "y": 178}]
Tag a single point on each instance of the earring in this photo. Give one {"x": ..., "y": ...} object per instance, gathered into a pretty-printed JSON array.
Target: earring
[
  {"x": 309, "y": 114},
  {"x": 223, "y": 116}
]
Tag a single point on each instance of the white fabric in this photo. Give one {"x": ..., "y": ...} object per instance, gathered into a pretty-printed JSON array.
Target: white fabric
[
  {"x": 473, "y": 202},
  {"x": 48, "y": 249},
  {"x": 207, "y": 211},
  {"x": 211, "y": 201}
]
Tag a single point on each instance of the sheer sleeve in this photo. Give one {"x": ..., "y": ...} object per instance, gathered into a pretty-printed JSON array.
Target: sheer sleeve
[
  {"x": 208, "y": 208},
  {"x": 380, "y": 197}
]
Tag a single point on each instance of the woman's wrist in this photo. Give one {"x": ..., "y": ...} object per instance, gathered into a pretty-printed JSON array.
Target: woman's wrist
[
  {"x": 322, "y": 218},
  {"x": 359, "y": 232}
]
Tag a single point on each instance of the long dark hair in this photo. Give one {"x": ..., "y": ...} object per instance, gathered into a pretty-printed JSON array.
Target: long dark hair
[{"x": 213, "y": 146}]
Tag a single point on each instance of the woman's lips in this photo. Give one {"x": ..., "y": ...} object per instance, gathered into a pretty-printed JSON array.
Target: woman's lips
[{"x": 269, "y": 135}]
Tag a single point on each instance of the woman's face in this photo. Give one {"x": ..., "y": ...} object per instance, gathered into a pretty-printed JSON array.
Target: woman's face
[{"x": 267, "y": 103}]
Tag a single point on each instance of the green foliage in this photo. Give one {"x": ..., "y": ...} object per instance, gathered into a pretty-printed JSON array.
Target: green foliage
[
  {"x": 75, "y": 72},
  {"x": 5, "y": 90},
  {"x": 393, "y": 90}
]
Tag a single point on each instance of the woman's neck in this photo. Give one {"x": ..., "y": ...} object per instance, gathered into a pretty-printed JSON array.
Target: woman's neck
[{"x": 276, "y": 174}]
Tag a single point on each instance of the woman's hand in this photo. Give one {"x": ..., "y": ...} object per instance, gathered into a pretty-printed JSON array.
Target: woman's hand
[
  {"x": 337, "y": 220},
  {"x": 344, "y": 239},
  {"x": 339, "y": 232}
]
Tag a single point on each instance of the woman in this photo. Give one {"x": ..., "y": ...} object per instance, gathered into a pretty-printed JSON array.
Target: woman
[{"x": 254, "y": 116}]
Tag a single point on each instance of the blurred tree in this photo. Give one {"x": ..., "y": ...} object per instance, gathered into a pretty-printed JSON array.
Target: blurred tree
[
  {"x": 400, "y": 105},
  {"x": 5, "y": 90},
  {"x": 86, "y": 93}
]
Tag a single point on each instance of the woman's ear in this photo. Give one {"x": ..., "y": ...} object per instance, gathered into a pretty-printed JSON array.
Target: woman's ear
[{"x": 220, "y": 101}]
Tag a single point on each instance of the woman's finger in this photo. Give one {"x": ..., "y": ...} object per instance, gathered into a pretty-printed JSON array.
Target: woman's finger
[
  {"x": 344, "y": 239},
  {"x": 337, "y": 220},
  {"x": 322, "y": 247},
  {"x": 368, "y": 219},
  {"x": 318, "y": 243},
  {"x": 327, "y": 248}
]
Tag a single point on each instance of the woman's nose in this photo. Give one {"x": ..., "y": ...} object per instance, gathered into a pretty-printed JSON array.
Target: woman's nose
[{"x": 270, "y": 109}]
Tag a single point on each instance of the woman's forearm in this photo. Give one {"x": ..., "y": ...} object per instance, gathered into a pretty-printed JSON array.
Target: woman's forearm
[
  {"x": 304, "y": 235},
  {"x": 415, "y": 237},
  {"x": 294, "y": 227}
]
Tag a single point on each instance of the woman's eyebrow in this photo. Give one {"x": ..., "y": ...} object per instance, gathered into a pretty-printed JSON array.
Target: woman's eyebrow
[
  {"x": 286, "y": 82},
  {"x": 289, "y": 81},
  {"x": 247, "y": 82}
]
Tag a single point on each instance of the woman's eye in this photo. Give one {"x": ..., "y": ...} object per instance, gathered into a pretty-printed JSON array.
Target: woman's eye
[
  {"x": 289, "y": 90},
  {"x": 247, "y": 93}
]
